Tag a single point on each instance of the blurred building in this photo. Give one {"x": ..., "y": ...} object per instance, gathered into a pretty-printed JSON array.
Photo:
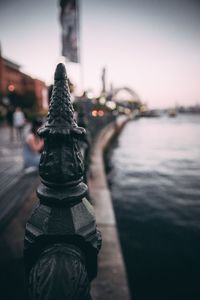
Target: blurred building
[{"x": 13, "y": 81}]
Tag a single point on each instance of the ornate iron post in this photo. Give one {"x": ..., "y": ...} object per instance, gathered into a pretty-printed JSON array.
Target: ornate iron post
[{"x": 61, "y": 239}]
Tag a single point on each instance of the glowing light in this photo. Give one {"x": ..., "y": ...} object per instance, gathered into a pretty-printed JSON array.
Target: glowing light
[
  {"x": 90, "y": 95},
  {"x": 101, "y": 113},
  {"x": 121, "y": 109},
  {"x": 111, "y": 104},
  {"x": 102, "y": 100},
  {"x": 94, "y": 113},
  {"x": 11, "y": 87}
]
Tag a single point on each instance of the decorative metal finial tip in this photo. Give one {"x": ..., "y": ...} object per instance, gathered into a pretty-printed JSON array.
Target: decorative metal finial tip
[{"x": 60, "y": 73}]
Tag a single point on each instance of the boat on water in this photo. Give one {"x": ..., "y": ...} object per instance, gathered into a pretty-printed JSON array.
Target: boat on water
[
  {"x": 172, "y": 113},
  {"x": 153, "y": 113}
]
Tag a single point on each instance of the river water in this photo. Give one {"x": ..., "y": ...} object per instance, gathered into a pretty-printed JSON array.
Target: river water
[{"x": 154, "y": 177}]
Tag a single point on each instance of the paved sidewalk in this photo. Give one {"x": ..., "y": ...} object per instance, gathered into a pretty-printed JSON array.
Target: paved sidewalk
[
  {"x": 111, "y": 282},
  {"x": 11, "y": 162},
  {"x": 10, "y": 151},
  {"x": 12, "y": 232},
  {"x": 11, "y": 170}
]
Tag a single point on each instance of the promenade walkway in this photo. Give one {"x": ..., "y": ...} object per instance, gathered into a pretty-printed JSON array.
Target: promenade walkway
[
  {"x": 12, "y": 221},
  {"x": 111, "y": 282},
  {"x": 10, "y": 151},
  {"x": 14, "y": 183}
]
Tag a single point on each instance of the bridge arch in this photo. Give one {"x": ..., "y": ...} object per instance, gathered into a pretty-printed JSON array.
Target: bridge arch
[{"x": 134, "y": 96}]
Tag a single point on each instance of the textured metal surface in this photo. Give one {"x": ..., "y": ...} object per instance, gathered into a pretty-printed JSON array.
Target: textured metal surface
[
  {"x": 61, "y": 162},
  {"x": 59, "y": 273}
]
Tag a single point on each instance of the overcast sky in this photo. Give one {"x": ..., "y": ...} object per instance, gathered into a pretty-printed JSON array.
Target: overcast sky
[{"x": 151, "y": 46}]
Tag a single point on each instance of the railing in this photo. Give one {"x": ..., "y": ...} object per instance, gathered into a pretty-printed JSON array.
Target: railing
[
  {"x": 61, "y": 239},
  {"x": 93, "y": 126}
]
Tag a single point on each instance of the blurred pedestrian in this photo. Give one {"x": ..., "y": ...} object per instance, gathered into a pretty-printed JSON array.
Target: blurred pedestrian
[
  {"x": 19, "y": 122},
  {"x": 33, "y": 146},
  {"x": 9, "y": 118}
]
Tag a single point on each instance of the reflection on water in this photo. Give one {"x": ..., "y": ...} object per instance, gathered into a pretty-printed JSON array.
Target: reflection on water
[{"x": 155, "y": 187}]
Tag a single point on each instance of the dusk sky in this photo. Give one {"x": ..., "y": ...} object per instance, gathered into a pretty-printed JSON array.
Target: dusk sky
[{"x": 151, "y": 46}]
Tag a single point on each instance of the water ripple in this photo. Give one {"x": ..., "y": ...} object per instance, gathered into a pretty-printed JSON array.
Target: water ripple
[{"x": 154, "y": 179}]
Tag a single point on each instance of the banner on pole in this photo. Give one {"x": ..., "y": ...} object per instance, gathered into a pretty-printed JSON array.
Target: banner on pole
[{"x": 69, "y": 19}]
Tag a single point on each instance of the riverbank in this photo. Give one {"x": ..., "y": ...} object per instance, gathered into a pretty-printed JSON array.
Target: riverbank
[
  {"x": 111, "y": 282},
  {"x": 154, "y": 178}
]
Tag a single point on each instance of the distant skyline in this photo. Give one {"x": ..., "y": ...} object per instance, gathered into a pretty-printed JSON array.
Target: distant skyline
[{"x": 151, "y": 46}]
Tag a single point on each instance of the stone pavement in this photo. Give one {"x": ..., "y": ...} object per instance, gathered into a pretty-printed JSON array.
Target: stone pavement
[
  {"x": 12, "y": 232},
  {"x": 10, "y": 151},
  {"x": 11, "y": 162},
  {"x": 12, "y": 280},
  {"x": 111, "y": 282}
]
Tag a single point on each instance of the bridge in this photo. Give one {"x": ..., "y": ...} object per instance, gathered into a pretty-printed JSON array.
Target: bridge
[{"x": 114, "y": 94}]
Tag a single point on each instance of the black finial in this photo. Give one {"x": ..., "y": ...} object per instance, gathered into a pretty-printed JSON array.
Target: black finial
[
  {"x": 60, "y": 119},
  {"x": 60, "y": 73},
  {"x": 61, "y": 162}
]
